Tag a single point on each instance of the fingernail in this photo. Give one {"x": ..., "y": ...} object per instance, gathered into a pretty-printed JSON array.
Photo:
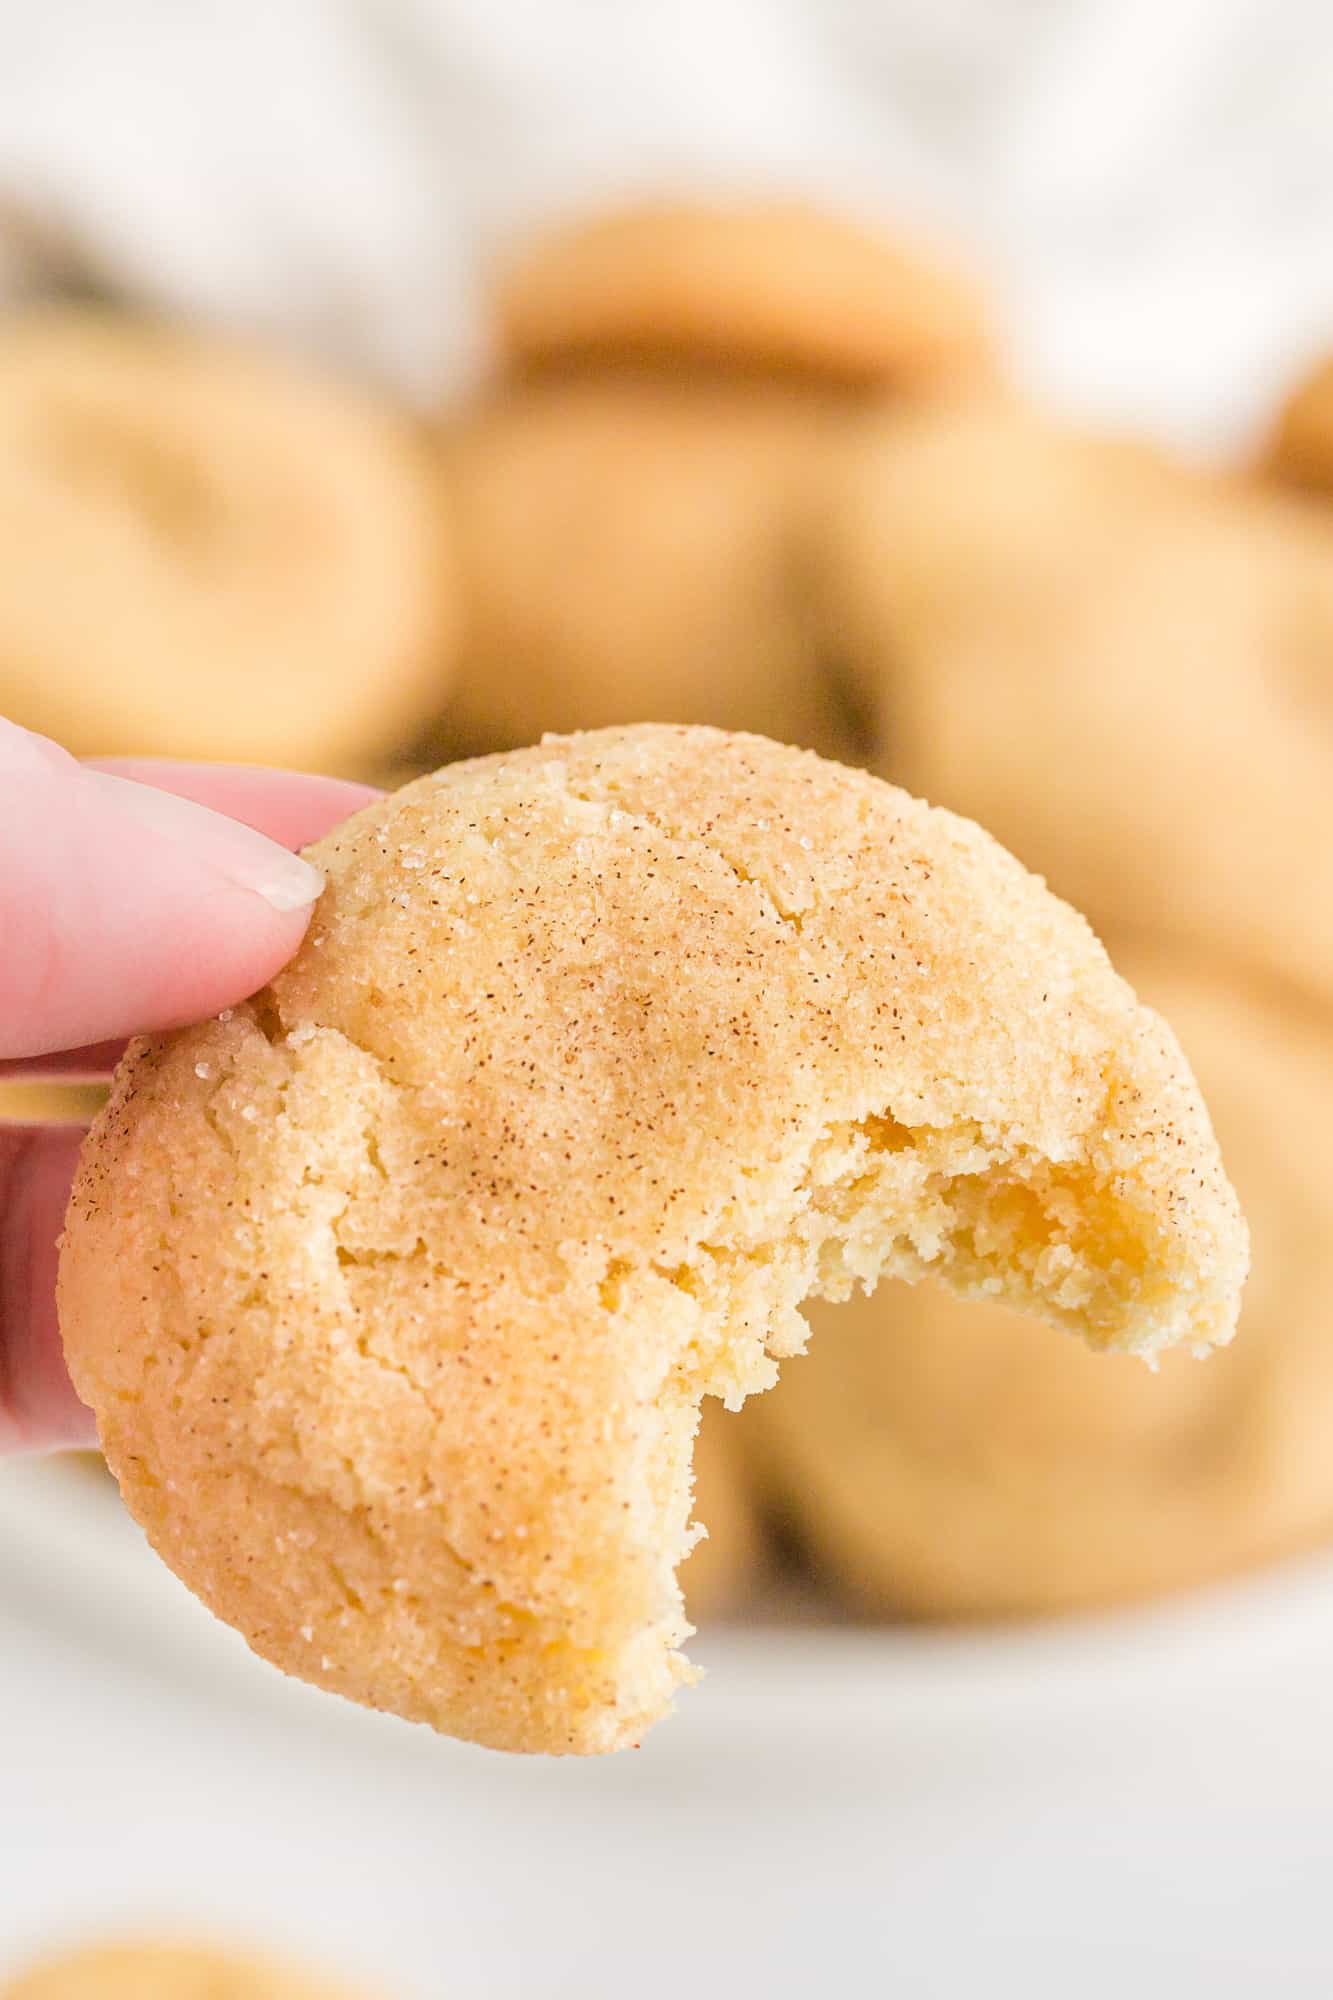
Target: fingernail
[{"x": 248, "y": 859}]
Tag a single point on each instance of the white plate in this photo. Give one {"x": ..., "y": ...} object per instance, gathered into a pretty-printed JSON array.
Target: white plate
[
  {"x": 67, "y": 1543},
  {"x": 1044, "y": 1809}
]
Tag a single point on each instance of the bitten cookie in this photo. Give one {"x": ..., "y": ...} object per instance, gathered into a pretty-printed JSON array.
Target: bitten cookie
[
  {"x": 144, "y": 1970},
  {"x": 629, "y": 550},
  {"x": 396, "y": 1291},
  {"x": 1300, "y": 450},
  {"x": 210, "y": 553},
  {"x": 948, "y": 1458},
  {"x": 779, "y": 284},
  {"x": 1121, "y": 667}
]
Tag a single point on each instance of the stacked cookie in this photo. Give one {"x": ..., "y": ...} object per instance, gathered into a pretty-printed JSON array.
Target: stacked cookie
[
  {"x": 1125, "y": 668},
  {"x": 748, "y": 464},
  {"x": 1120, "y": 664},
  {"x": 633, "y": 501}
]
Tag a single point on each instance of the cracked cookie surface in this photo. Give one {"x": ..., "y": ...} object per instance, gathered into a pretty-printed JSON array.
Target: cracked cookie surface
[
  {"x": 1117, "y": 663},
  {"x": 397, "y": 1289}
]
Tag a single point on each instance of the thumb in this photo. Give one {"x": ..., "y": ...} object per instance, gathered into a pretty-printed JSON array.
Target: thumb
[{"x": 124, "y": 908}]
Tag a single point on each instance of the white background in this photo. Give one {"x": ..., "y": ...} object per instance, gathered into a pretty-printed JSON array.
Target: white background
[
  {"x": 1133, "y": 1804},
  {"x": 1149, "y": 182}
]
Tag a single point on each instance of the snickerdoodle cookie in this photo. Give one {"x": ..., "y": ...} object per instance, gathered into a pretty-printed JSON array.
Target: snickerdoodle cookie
[
  {"x": 629, "y": 550},
  {"x": 150, "y": 1970},
  {"x": 950, "y": 1458},
  {"x": 210, "y": 552},
  {"x": 1123, "y": 668},
  {"x": 759, "y": 283},
  {"x": 396, "y": 1291}
]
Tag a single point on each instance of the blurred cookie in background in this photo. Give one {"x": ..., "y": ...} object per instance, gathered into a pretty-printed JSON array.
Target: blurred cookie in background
[
  {"x": 764, "y": 284},
  {"x": 956, "y": 1460},
  {"x": 630, "y": 549},
  {"x": 724, "y": 1569},
  {"x": 211, "y": 553},
  {"x": 152, "y": 1970},
  {"x": 1122, "y": 667},
  {"x": 50, "y": 1103},
  {"x": 1300, "y": 451}
]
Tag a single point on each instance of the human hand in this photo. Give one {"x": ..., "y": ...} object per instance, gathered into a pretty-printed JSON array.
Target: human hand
[{"x": 133, "y": 896}]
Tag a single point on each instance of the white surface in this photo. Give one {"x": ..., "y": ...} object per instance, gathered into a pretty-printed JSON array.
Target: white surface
[
  {"x": 1150, "y": 181},
  {"x": 1140, "y": 1800}
]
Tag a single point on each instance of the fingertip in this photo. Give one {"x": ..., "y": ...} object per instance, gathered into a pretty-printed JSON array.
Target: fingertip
[
  {"x": 229, "y": 848},
  {"x": 125, "y": 909},
  {"x": 293, "y": 807}
]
